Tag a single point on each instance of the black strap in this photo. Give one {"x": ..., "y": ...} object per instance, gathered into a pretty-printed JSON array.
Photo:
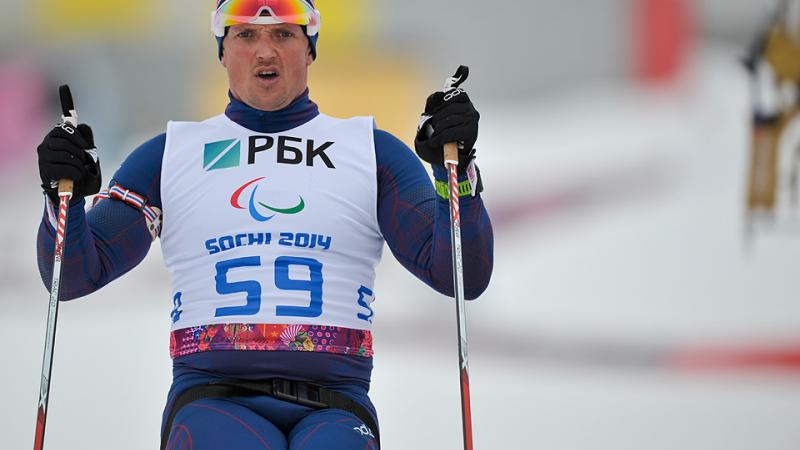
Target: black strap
[{"x": 298, "y": 392}]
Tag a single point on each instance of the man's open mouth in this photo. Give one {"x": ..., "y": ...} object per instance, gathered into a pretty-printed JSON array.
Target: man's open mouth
[{"x": 267, "y": 74}]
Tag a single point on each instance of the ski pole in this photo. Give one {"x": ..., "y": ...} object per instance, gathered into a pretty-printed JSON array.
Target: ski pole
[
  {"x": 69, "y": 118},
  {"x": 451, "y": 162}
]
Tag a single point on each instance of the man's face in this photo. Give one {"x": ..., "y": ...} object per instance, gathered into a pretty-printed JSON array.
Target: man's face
[{"x": 267, "y": 64}]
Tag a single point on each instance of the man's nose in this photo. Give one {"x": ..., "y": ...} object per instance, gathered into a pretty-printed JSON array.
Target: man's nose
[{"x": 265, "y": 47}]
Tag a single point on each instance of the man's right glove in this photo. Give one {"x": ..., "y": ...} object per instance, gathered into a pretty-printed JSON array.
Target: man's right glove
[
  {"x": 67, "y": 152},
  {"x": 448, "y": 117}
]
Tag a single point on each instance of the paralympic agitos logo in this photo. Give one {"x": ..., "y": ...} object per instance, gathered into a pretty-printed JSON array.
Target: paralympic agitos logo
[{"x": 258, "y": 210}]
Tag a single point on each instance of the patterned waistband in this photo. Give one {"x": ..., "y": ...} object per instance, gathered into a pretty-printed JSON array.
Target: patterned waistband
[{"x": 270, "y": 337}]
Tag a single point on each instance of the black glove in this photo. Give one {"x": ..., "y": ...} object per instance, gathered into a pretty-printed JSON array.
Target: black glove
[
  {"x": 67, "y": 152},
  {"x": 448, "y": 117}
]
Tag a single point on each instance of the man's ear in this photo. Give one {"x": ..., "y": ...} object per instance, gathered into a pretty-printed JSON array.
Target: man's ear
[
  {"x": 222, "y": 59},
  {"x": 309, "y": 57}
]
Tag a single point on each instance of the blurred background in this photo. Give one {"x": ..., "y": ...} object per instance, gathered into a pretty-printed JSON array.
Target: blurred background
[{"x": 631, "y": 307}]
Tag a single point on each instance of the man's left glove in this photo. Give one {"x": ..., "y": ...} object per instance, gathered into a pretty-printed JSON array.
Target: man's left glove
[
  {"x": 448, "y": 117},
  {"x": 69, "y": 152}
]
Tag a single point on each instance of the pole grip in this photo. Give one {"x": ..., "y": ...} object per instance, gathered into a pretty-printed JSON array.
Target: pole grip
[
  {"x": 68, "y": 113},
  {"x": 64, "y": 185},
  {"x": 451, "y": 152}
]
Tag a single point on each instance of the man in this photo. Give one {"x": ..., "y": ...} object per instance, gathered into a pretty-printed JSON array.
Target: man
[
  {"x": 274, "y": 217},
  {"x": 774, "y": 66}
]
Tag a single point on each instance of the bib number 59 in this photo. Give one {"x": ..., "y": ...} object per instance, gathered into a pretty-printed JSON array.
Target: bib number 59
[{"x": 282, "y": 281}]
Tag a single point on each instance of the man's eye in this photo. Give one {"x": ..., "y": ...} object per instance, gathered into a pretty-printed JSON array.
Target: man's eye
[
  {"x": 285, "y": 34},
  {"x": 244, "y": 34}
]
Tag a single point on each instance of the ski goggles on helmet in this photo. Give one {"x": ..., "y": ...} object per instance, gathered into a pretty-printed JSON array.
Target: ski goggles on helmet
[{"x": 232, "y": 12}]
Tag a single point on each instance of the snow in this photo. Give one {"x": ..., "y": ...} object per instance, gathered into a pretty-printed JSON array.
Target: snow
[{"x": 652, "y": 252}]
